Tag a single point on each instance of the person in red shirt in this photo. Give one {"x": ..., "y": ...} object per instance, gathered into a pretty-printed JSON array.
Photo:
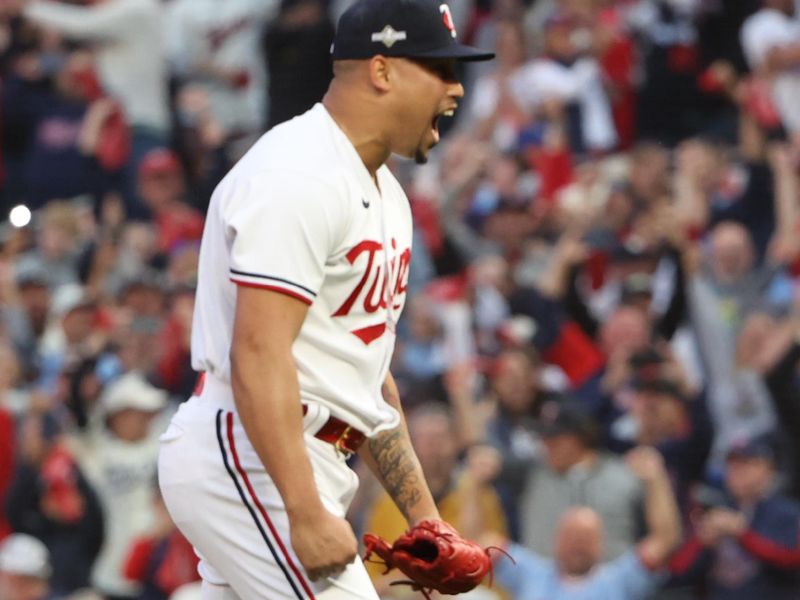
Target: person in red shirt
[{"x": 162, "y": 189}]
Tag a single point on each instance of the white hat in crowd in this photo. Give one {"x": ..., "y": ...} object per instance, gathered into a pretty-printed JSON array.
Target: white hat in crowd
[
  {"x": 132, "y": 390},
  {"x": 67, "y": 298},
  {"x": 23, "y": 554}
]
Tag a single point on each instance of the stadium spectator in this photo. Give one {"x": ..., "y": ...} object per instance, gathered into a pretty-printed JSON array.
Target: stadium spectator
[
  {"x": 575, "y": 472},
  {"x": 54, "y": 256},
  {"x": 119, "y": 459},
  {"x": 80, "y": 388},
  {"x": 422, "y": 354},
  {"x": 564, "y": 87},
  {"x": 778, "y": 354},
  {"x": 216, "y": 47},
  {"x": 133, "y": 68},
  {"x": 66, "y": 123},
  {"x": 720, "y": 301},
  {"x": 162, "y": 190},
  {"x": 575, "y": 571},
  {"x": 670, "y": 106},
  {"x": 26, "y": 306},
  {"x": 51, "y": 499},
  {"x": 747, "y": 545},
  {"x": 132, "y": 64},
  {"x": 71, "y": 335},
  {"x": 174, "y": 368},
  {"x": 295, "y": 46},
  {"x": 771, "y": 41},
  {"x": 714, "y": 186},
  {"x": 519, "y": 392},
  {"x": 201, "y": 142},
  {"x": 24, "y": 568},
  {"x": 677, "y": 425},
  {"x": 493, "y": 111}
]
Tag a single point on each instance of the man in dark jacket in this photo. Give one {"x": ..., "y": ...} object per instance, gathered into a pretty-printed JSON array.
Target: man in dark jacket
[
  {"x": 51, "y": 500},
  {"x": 749, "y": 548}
]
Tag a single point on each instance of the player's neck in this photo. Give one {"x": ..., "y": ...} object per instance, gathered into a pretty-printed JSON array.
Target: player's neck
[{"x": 361, "y": 128}]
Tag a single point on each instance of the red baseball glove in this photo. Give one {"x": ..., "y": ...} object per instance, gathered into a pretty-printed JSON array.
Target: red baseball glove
[{"x": 434, "y": 557}]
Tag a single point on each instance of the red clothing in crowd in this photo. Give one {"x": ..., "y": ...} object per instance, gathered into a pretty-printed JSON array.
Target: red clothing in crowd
[
  {"x": 165, "y": 564},
  {"x": 618, "y": 62},
  {"x": 7, "y": 442},
  {"x": 178, "y": 223}
]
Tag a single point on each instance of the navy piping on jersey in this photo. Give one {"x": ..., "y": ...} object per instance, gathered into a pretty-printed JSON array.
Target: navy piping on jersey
[
  {"x": 269, "y": 277},
  {"x": 252, "y": 511}
]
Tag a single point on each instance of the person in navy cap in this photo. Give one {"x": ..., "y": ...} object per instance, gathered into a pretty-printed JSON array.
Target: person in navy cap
[{"x": 747, "y": 545}]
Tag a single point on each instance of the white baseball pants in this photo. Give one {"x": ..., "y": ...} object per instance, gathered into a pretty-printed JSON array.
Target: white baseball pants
[{"x": 221, "y": 498}]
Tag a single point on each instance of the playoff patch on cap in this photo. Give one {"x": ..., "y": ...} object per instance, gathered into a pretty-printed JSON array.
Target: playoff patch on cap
[{"x": 400, "y": 28}]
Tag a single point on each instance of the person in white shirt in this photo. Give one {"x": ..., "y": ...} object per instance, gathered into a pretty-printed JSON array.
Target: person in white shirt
[
  {"x": 567, "y": 81},
  {"x": 771, "y": 43},
  {"x": 118, "y": 456},
  {"x": 302, "y": 277},
  {"x": 216, "y": 46}
]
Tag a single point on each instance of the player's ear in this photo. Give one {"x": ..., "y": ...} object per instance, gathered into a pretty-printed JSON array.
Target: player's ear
[{"x": 380, "y": 73}]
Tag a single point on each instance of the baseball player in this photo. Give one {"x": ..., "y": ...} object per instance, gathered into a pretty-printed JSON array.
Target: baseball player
[{"x": 303, "y": 273}]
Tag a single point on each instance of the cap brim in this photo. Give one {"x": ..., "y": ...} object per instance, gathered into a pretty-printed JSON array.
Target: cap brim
[
  {"x": 147, "y": 402},
  {"x": 460, "y": 52},
  {"x": 749, "y": 454}
]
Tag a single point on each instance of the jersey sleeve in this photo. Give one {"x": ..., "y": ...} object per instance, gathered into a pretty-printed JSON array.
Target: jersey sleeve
[{"x": 283, "y": 228}]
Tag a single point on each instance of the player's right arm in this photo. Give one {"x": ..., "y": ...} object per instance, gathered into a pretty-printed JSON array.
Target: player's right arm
[{"x": 267, "y": 396}]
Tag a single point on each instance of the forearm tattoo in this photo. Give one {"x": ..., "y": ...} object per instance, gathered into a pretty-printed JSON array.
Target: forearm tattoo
[{"x": 398, "y": 468}]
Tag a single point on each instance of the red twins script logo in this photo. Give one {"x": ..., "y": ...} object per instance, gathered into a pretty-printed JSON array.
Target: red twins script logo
[
  {"x": 375, "y": 289},
  {"x": 447, "y": 19}
]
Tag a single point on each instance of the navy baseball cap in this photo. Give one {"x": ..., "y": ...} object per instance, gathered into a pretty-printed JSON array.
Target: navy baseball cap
[
  {"x": 644, "y": 382},
  {"x": 400, "y": 28},
  {"x": 759, "y": 447},
  {"x": 567, "y": 417}
]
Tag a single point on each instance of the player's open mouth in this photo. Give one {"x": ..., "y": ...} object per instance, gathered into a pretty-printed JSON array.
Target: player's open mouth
[{"x": 435, "y": 121}]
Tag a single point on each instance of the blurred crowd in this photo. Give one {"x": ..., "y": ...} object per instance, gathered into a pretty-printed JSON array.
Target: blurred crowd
[{"x": 599, "y": 355}]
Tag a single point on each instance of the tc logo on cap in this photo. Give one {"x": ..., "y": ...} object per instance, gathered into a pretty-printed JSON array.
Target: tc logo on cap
[
  {"x": 388, "y": 35},
  {"x": 447, "y": 19}
]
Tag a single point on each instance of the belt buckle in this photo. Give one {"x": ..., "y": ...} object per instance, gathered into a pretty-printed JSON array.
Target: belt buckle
[{"x": 340, "y": 442}]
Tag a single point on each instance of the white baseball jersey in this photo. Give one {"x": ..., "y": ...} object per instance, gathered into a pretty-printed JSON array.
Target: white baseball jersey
[{"x": 301, "y": 215}]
